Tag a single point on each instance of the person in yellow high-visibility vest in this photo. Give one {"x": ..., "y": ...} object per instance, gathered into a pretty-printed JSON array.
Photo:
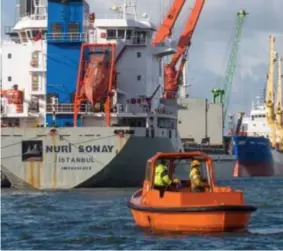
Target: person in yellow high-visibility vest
[
  {"x": 161, "y": 177},
  {"x": 197, "y": 184}
]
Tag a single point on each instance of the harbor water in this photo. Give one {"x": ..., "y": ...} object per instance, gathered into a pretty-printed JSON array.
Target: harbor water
[{"x": 100, "y": 219}]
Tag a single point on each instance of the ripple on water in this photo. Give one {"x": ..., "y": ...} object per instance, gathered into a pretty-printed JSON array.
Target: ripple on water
[{"x": 100, "y": 219}]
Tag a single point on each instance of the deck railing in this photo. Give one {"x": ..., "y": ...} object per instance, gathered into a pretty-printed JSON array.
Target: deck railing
[
  {"x": 68, "y": 36},
  {"x": 68, "y": 108}
]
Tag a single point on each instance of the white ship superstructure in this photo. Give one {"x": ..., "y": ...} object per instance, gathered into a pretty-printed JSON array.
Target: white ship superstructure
[
  {"x": 41, "y": 147},
  {"x": 255, "y": 123},
  {"x": 24, "y": 69},
  {"x": 83, "y": 101}
]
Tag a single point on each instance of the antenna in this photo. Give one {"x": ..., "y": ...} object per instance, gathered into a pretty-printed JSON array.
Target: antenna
[
  {"x": 124, "y": 9},
  {"x": 18, "y": 11}
]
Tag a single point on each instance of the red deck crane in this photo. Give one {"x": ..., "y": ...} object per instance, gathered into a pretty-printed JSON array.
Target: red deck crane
[{"x": 171, "y": 75}]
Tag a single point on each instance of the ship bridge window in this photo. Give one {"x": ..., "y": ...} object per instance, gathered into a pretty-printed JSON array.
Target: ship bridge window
[
  {"x": 24, "y": 36},
  {"x": 121, "y": 34},
  {"x": 56, "y": 29},
  {"x": 129, "y": 34},
  {"x": 74, "y": 30},
  {"x": 9, "y": 78},
  {"x": 9, "y": 55},
  {"x": 29, "y": 35},
  {"x": 37, "y": 33},
  {"x": 111, "y": 34},
  {"x": 74, "y": 27},
  {"x": 140, "y": 37},
  {"x": 34, "y": 33}
]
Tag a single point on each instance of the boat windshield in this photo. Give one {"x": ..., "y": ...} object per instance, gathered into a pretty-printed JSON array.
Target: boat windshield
[{"x": 182, "y": 168}]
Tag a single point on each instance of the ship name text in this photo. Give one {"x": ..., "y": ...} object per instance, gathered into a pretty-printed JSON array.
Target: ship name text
[
  {"x": 80, "y": 148},
  {"x": 76, "y": 159}
]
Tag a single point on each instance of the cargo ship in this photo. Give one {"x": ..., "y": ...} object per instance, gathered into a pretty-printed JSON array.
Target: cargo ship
[
  {"x": 252, "y": 151},
  {"x": 253, "y": 156},
  {"x": 258, "y": 148},
  {"x": 82, "y": 97},
  {"x": 86, "y": 100}
]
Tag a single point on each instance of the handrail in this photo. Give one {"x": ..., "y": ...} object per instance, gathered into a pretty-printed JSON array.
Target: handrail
[{"x": 66, "y": 36}]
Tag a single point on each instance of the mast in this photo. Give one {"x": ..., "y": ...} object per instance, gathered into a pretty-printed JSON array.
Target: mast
[{"x": 126, "y": 5}]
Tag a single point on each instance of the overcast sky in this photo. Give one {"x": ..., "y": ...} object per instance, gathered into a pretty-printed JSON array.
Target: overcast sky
[{"x": 211, "y": 42}]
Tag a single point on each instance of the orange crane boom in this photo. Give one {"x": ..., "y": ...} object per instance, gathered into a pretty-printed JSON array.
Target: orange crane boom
[
  {"x": 165, "y": 30},
  {"x": 171, "y": 75}
]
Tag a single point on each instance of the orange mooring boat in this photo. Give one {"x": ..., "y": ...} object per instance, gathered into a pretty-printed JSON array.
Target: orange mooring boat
[{"x": 217, "y": 209}]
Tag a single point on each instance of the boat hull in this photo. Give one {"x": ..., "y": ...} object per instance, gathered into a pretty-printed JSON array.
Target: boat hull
[
  {"x": 253, "y": 156},
  {"x": 112, "y": 160},
  {"x": 249, "y": 169},
  {"x": 278, "y": 162},
  {"x": 4, "y": 181},
  {"x": 202, "y": 219}
]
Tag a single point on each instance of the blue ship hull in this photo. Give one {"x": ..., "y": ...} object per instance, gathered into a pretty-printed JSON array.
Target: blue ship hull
[{"x": 253, "y": 156}]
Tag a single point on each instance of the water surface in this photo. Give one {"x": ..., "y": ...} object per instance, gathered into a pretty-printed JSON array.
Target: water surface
[{"x": 100, "y": 219}]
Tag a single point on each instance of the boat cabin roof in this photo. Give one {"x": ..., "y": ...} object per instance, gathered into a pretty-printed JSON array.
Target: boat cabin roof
[{"x": 180, "y": 155}]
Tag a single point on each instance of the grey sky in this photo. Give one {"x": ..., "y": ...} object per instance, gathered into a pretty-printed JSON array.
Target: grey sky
[{"x": 210, "y": 45}]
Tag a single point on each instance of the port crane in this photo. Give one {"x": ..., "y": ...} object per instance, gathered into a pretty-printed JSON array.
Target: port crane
[
  {"x": 171, "y": 74},
  {"x": 278, "y": 108},
  {"x": 269, "y": 95},
  {"x": 223, "y": 95}
]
